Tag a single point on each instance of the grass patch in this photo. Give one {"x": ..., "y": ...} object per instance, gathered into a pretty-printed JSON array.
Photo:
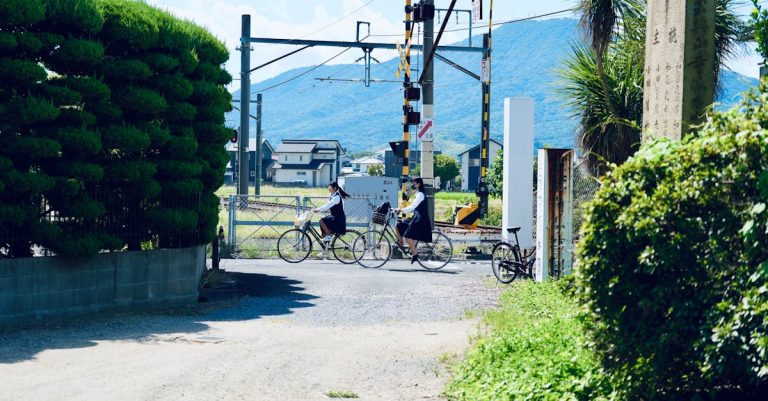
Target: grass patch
[
  {"x": 535, "y": 349},
  {"x": 341, "y": 394}
]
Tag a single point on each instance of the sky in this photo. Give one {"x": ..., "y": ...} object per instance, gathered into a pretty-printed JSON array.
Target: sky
[{"x": 337, "y": 20}]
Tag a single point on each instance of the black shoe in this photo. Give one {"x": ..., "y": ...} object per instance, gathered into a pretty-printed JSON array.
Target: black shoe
[{"x": 414, "y": 258}]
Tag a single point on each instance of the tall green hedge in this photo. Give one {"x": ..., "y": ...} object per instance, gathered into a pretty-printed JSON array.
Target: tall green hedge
[
  {"x": 111, "y": 127},
  {"x": 674, "y": 263}
]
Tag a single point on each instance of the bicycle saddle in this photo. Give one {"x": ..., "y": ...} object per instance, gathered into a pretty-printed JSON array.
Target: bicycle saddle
[{"x": 513, "y": 229}]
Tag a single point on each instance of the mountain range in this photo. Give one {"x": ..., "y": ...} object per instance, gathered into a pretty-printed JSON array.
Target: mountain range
[{"x": 526, "y": 58}]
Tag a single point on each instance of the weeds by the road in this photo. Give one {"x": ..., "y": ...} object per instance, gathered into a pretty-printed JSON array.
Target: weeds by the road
[
  {"x": 341, "y": 394},
  {"x": 535, "y": 349}
]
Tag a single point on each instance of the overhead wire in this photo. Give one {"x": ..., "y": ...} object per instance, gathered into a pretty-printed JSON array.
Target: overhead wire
[
  {"x": 288, "y": 41},
  {"x": 512, "y": 21},
  {"x": 303, "y": 73}
]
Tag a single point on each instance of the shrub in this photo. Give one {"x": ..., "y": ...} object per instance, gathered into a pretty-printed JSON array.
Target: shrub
[
  {"x": 672, "y": 258},
  {"x": 536, "y": 350}
]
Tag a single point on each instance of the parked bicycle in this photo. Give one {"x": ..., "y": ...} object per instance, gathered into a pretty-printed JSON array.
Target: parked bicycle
[
  {"x": 509, "y": 261},
  {"x": 373, "y": 248},
  {"x": 295, "y": 245}
]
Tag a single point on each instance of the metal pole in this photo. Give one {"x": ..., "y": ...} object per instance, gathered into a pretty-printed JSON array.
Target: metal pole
[
  {"x": 428, "y": 111},
  {"x": 406, "y": 102},
  {"x": 482, "y": 189},
  {"x": 245, "y": 95},
  {"x": 259, "y": 155}
]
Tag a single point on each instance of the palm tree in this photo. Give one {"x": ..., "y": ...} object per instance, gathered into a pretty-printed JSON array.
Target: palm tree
[{"x": 604, "y": 80}]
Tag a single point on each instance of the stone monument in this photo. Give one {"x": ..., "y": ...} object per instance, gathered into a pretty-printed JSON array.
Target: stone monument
[{"x": 679, "y": 66}]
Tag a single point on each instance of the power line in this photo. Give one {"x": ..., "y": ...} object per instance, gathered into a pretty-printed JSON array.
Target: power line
[
  {"x": 497, "y": 23},
  {"x": 303, "y": 73},
  {"x": 331, "y": 24}
]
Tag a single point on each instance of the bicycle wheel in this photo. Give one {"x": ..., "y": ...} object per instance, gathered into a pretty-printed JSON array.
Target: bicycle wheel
[
  {"x": 436, "y": 254},
  {"x": 294, "y": 246},
  {"x": 342, "y": 247},
  {"x": 372, "y": 249},
  {"x": 503, "y": 255}
]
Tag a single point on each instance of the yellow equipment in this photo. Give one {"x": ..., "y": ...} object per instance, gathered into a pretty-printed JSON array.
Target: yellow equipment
[{"x": 467, "y": 216}]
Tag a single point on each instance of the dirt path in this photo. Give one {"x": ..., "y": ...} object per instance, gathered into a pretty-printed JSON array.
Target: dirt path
[{"x": 301, "y": 331}]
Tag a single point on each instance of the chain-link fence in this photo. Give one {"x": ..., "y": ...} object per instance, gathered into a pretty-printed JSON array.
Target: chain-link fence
[
  {"x": 585, "y": 186},
  {"x": 255, "y": 223}
]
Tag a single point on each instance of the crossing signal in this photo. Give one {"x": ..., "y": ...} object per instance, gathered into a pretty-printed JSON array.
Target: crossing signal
[
  {"x": 235, "y": 135},
  {"x": 398, "y": 148}
]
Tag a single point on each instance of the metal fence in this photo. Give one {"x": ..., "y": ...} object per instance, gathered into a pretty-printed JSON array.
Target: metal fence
[{"x": 255, "y": 222}]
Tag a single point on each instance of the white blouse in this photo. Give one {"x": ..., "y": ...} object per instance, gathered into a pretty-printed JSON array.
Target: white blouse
[
  {"x": 416, "y": 201},
  {"x": 333, "y": 201}
]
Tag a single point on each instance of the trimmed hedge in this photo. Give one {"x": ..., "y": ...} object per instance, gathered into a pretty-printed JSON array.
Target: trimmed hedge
[
  {"x": 674, "y": 263},
  {"x": 87, "y": 146}
]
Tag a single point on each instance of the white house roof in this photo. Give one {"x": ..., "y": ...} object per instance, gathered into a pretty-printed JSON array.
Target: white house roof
[
  {"x": 288, "y": 147},
  {"x": 367, "y": 160}
]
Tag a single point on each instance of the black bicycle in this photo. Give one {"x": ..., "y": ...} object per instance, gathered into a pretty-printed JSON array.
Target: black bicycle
[
  {"x": 295, "y": 245},
  {"x": 373, "y": 248},
  {"x": 509, "y": 261}
]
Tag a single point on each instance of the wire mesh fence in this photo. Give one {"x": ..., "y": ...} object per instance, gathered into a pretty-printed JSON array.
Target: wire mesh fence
[{"x": 256, "y": 222}]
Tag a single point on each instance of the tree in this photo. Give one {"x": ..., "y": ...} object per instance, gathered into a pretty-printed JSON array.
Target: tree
[
  {"x": 496, "y": 175},
  {"x": 376, "y": 170},
  {"x": 446, "y": 167},
  {"x": 604, "y": 80},
  {"x": 111, "y": 127}
]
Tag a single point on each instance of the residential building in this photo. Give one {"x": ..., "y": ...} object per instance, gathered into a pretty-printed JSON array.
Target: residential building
[
  {"x": 230, "y": 175},
  {"x": 470, "y": 164},
  {"x": 309, "y": 162},
  {"x": 362, "y": 164}
]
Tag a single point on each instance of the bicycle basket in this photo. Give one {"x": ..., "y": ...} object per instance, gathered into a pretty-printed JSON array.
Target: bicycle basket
[
  {"x": 379, "y": 218},
  {"x": 302, "y": 219}
]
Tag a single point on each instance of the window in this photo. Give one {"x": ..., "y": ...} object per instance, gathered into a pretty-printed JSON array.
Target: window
[
  {"x": 474, "y": 162},
  {"x": 253, "y": 174},
  {"x": 301, "y": 158},
  {"x": 301, "y": 173}
]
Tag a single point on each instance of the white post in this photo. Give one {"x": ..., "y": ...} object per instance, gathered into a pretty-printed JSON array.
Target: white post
[
  {"x": 542, "y": 217},
  {"x": 517, "y": 208}
]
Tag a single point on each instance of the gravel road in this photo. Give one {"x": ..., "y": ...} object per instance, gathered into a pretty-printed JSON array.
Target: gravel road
[{"x": 293, "y": 332}]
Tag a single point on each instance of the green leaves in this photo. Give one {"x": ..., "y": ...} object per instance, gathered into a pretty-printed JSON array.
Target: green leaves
[
  {"x": 97, "y": 119},
  {"x": 671, "y": 261}
]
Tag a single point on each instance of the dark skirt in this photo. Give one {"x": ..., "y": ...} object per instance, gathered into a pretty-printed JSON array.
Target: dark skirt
[
  {"x": 335, "y": 224},
  {"x": 416, "y": 228}
]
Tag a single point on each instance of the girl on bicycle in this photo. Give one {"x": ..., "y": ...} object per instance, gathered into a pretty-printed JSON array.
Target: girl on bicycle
[
  {"x": 337, "y": 221},
  {"x": 418, "y": 227}
]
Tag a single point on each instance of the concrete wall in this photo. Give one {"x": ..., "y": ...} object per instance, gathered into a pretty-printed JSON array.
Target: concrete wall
[{"x": 33, "y": 289}]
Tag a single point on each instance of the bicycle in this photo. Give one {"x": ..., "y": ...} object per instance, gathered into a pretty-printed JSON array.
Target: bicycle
[
  {"x": 295, "y": 245},
  {"x": 507, "y": 262},
  {"x": 373, "y": 248}
]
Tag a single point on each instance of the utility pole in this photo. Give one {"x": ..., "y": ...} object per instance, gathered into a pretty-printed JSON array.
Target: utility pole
[
  {"x": 259, "y": 156},
  {"x": 428, "y": 111},
  {"x": 245, "y": 95},
  {"x": 406, "y": 100},
  {"x": 482, "y": 188}
]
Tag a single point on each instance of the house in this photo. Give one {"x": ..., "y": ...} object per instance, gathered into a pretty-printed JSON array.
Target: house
[
  {"x": 362, "y": 164},
  {"x": 312, "y": 162},
  {"x": 470, "y": 164},
  {"x": 230, "y": 175}
]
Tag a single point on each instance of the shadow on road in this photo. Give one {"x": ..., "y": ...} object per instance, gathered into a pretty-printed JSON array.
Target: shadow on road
[{"x": 251, "y": 296}]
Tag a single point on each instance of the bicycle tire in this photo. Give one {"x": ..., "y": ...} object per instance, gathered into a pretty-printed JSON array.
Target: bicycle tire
[
  {"x": 436, "y": 254},
  {"x": 294, "y": 249},
  {"x": 342, "y": 247},
  {"x": 502, "y": 254},
  {"x": 372, "y": 249}
]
